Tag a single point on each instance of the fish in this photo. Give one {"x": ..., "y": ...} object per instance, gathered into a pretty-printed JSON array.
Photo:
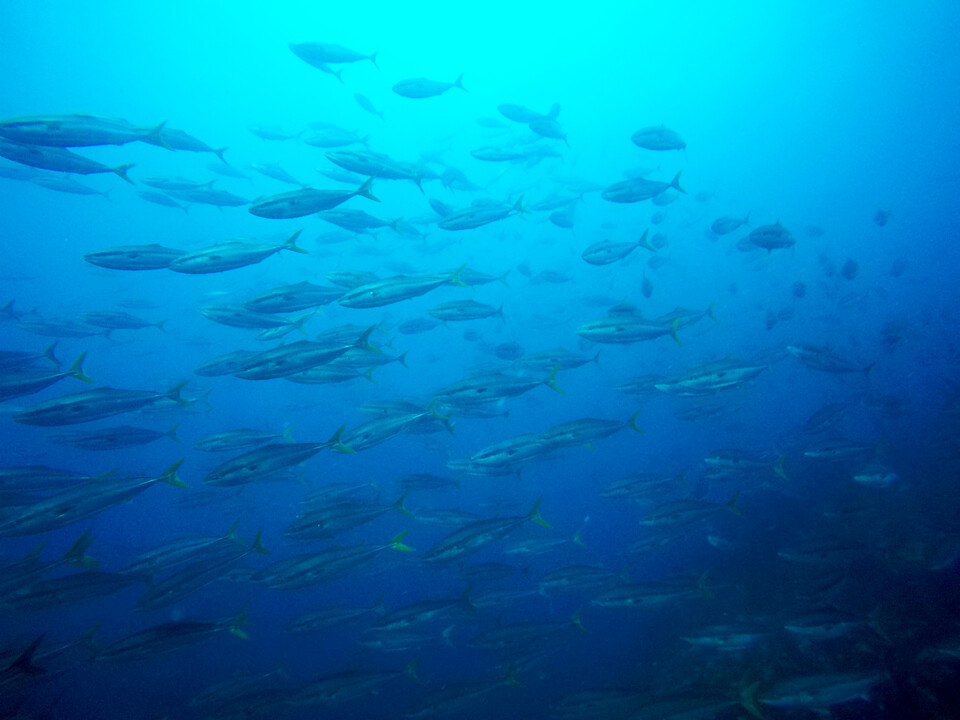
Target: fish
[
  {"x": 826, "y": 360},
  {"x": 169, "y": 636},
  {"x": 209, "y": 196},
  {"x": 67, "y": 185},
  {"x": 265, "y": 461},
  {"x": 95, "y": 404},
  {"x": 115, "y": 438},
  {"x": 60, "y": 160},
  {"x": 397, "y": 289},
  {"x": 73, "y": 130},
  {"x": 561, "y": 358},
  {"x": 813, "y": 692},
  {"x": 772, "y": 237},
  {"x": 230, "y": 440},
  {"x": 459, "y": 310},
  {"x": 307, "y": 201},
  {"x": 364, "y": 102},
  {"x": 330, "y": 617},
  {"x": 605, "y": 252},
  {"x": 376, "y": 165},
  {"x": 239, "y": 316},
  {"x": 585, "y": 430},
  {"x": 81, "y": 500},
  {"x": 483, "y": 389},
  {"x": 230, "y": 256},
  {"x": 479, "y": 215},
  {"x": 275, "y": 172},
  {"x": 419, "y": 88},
  {"x": 301, "y": 571},
  {"x": 726, "y": 225},
  {"x": 639, "y": 189},
  {"x": 158, "y": 198},
  {"x": 173, "y": 139},
  {"x": 356, "y": 220},
  {"x": 334, "y": 137},
  {"x": 212, "y": 561},
  {"x": 53, "y": 593},
  {"x": 474, "y": 536},
  {"x": 658, "y": 137},
  {"x": 273, "y": 132},
  {"x": 20, "y": 382},
  {"x": 685, "y": 512},
  {"x": 319, "y": 54}
]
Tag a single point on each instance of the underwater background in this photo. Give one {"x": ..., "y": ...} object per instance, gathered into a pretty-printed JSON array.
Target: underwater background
[{"x": 634, "y": 368}]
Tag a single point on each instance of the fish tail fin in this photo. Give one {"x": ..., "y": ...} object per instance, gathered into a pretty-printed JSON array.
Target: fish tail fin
[
  {"x": 378, "y": 607},
  {"x": 231, "y": 533},
  {"x": 748, "y": 699},
  {"x": 299, "y": 322},
  {"x": 418, "y": 180},
  {"x": 554, "y": 111},
  {"x": 372, "y": 57},
  {"x": 578, "y": 538},
  {"x": 160, "y": 325},
  {"x": 455, "y": 277},
  {"x": 49, "y": 352},
  {"x": 459, "y": 82},
  {"x": 632, "y": 422},
  {"x": 236, "y": 624},
  {"x": 518, "y": 206},
  {"x": 76, "y": 553},
  {"x": 396, "y": 543},
  {"x": 868, "y": 368},
  {"x": 673, "y": 331},
  {"x": 257, "y": 546},
  {"x": 596, "y": 360},
  {"x": 364, "y": 190},
  {"x": 172, "y": 433},
  {"x": 645, "y": 243},
  {"x": 363, "y": 342},
  {"x": 121, "y": 171},
  {"x": 503, "y": 279},
  {"x": 76, "y": 370},
  {"x": 170, "y": 477},
  {"x": 731, "y": 504},
  {"x": 368, "y": 375},
  {"x": 291, "y": 244},
  {"x": 575, "y": 621},
  {"x": 675, "y": 183},
  {"x": 402, "y": 359},
  {"x": 154, "y": 136},
  {"x": 465, "y": 600},
  {"x": 395, "y": 225},
  {"x": 535, "y": 515},
  {"x": 710, "y": 310},
  {"x": 219, "y": 153},
  {"x": 778, "y": 467},
  {"x": 399, "y": 506},
  {"x": 447, "y": 635},
  {"x": 334, "y": 440},
  {"x": 23, "y": 664},
  {"x": 746, "y": 219},
  {"x": 411, "y": 670},
  {"x": 86, "y": 638},
  {"x": 174, "y": 393},
  {"x": 551, "y": 381},
  {"x": 510, "y": 676}
]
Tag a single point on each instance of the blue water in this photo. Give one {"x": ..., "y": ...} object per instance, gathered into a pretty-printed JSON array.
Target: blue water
[{"x": 812, "y": 115}]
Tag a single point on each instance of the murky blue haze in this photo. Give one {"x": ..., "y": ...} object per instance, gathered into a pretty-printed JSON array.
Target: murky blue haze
[{"x": 781, "y": 540}]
